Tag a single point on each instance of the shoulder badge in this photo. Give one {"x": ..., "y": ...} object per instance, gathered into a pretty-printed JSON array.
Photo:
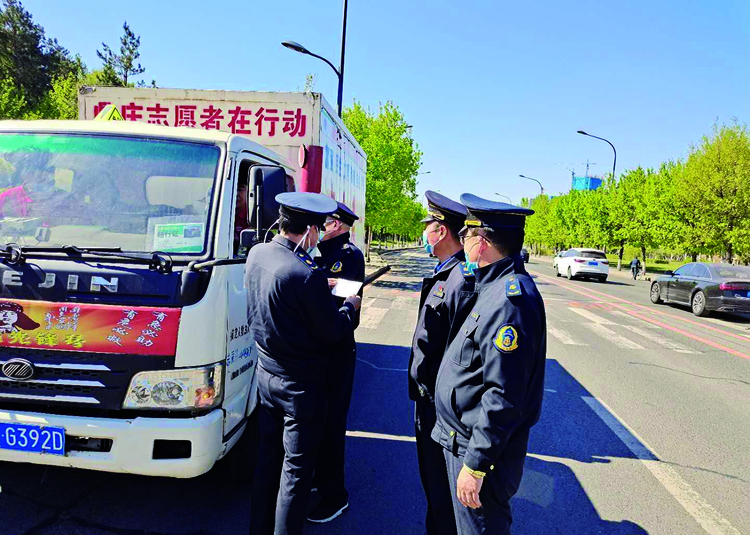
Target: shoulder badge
[
  {"x": 465, "y": 271},
  {"x": 337, "y": 267},
  {"x": 439, "y": 292},
  {"x": 512, "y": 288},
  {"x": 305, "y": 259},
  {"x": 506, "y": 339}
]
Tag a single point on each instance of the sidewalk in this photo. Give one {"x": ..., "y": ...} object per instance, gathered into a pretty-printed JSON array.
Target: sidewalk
[
  {"x": 376, "y": 262},
  {"x": 624, "y": 274}
]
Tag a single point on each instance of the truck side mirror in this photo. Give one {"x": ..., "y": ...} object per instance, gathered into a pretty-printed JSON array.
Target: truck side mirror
[
  {"x": 247, "y": 238},
  {"x": 265, "y": 183}
]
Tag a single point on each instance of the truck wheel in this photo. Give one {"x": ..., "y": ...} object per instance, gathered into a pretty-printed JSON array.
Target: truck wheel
[{"x": 699, "y": 304}]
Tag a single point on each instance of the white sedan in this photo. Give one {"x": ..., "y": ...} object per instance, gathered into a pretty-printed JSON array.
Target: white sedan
[
  {"x": 589, "y": 263},
  {"x": 556, "y": 258}
]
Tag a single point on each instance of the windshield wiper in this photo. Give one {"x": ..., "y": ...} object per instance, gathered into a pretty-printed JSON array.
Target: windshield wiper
[{"x": 158, "y": 260}]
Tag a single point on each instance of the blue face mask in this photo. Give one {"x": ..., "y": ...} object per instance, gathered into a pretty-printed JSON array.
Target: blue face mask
[
  {"x": 472, "y": 267},
  {"x": 427, "y": 246}
]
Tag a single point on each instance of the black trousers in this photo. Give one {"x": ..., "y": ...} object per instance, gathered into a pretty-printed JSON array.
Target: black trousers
[
  {"x": 440, "y": 519},
  {"x": 329, "y": 467},
  {"x": 494, "y": 517},
  {"x": 290, "y": 422}
]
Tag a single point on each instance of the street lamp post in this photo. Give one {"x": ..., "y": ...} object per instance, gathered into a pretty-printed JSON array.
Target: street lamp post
[
  {"x": 535, "y": 180},
  {"x": 504, "y": 197},
  {"x": 614, "y": 176},
  {"x": 291, "y": 45},
  {"x": 614, "y": 164}
]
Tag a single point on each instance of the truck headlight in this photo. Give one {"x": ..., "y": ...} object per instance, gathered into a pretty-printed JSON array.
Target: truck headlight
[{"x": 181, "y": 389}]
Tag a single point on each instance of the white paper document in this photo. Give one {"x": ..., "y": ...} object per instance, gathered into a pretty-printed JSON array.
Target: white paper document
[{"x": 345, "y": 288}]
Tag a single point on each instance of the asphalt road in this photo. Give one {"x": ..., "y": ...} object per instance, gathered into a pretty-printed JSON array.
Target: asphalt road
[{"x": 645, "y": 429}]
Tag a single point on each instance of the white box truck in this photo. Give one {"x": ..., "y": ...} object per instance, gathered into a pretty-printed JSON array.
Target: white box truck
[
  {"x": 124, "y": 343},
  {"x": 302, "y": 127}
]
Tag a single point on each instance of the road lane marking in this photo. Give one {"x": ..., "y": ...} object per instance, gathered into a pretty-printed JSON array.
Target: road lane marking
[
  {"x": 562, "y": 336},
  {"x": 621, "y": 314},
  {"x": 659, "y": 323},
  {"x": 612, "y": 336},
  {"x": 591, "y": 316},
  {"x": 661, "y": 340},
  {"x": 380, "y": 436},
  {"x": 379, "y": 368},
  {"x": 694, "y": 504},
  {"x": 371, "y": 317},
  {"x": 643, "y": 307}
]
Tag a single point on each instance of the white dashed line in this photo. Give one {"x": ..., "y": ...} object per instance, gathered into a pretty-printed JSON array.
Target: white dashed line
[
  {"x": 591, "y": 316},
  {"x": 371, "y": 317},
  {"x": 659, "y": 339},
  {"x": 563, "y": 336},
  {"x": 612, "y": 336}
]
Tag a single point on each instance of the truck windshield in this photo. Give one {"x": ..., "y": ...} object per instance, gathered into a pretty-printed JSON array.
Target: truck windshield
[{"x": 106, "y": 191}]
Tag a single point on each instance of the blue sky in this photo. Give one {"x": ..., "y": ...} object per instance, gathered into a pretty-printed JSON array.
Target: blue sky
[{"x": 492, "y": 89}]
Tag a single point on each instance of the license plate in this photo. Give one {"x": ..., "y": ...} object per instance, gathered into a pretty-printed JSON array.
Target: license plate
[
  {"x": 32, "y": 438},
  {"x": 593, "y": 264}
]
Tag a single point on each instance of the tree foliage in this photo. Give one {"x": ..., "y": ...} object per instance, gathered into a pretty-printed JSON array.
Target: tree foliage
[
  {"x": 697, "y": 206},
  {"x": 393, "y": 160},
  {"x": 119, "y": 68}
]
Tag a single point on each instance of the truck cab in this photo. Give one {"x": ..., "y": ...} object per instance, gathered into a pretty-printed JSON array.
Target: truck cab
[{"x": 124, "y": 344}]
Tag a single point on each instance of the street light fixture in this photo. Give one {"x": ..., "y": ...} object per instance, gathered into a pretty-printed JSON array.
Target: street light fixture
[
  {"x": 292, "y": 45},
  {"x": 505, "y": 197},
  {"x": 614, "y": 164},
  {"x": 535, "y": 180}
]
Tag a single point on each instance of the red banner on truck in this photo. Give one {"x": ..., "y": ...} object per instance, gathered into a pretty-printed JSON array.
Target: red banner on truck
[{"x": 88, "y": 327}]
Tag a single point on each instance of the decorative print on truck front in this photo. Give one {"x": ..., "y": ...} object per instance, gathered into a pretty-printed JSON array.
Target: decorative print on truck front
[{"x": 87, "y": 327}]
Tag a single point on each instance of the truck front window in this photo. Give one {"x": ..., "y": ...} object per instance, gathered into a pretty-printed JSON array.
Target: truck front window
[{"x": 106, "y": 191}]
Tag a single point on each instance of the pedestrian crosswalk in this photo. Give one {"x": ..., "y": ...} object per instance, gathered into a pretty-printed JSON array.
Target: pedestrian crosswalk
[{"x": 574, "y": 325}]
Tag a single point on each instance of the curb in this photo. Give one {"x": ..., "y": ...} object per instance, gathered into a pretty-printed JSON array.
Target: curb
[
  {"x": 375, "y": 276},
  {"x": 386, "y": 251}
]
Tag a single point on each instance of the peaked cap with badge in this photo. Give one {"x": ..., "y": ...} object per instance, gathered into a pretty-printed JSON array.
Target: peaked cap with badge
[
  {"x": 444, "y": 210},
  {"x": 306, "y": 208},
  {"x": 344, "y": 214},
  {"x": 492, "y": 214}
]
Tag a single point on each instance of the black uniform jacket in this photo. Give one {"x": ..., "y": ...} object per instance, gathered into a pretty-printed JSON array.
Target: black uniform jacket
[
  {"x": 436, "y": 306},
  {"x": 291, "y": 313},
  {"x": 491, "y": 382},
  {"x": 341, "y": 259}
]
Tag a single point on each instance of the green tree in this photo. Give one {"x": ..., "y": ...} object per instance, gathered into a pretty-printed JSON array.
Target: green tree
[
  {"x": 393, "y": 160},
  {"x": 27, "y": 56},
  {"x": 120, "y": 68}
]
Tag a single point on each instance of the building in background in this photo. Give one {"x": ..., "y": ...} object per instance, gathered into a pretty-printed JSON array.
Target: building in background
[{"x": 586, "y": 182}]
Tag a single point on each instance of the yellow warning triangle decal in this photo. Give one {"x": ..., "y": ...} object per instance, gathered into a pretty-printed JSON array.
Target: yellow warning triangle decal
[{"x": 109, "y": 113}]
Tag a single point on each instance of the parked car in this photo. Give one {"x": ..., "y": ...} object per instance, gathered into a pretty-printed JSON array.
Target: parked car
[
  {"x": 705, "y": 288},
  {"x": 588, "y": 263},
  {"x": 556, "y": 258},
  {"x": 525, "y": 254}
]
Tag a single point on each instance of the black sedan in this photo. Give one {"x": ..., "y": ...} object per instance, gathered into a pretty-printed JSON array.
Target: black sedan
[
  {"x": 525, "y": 254},
  {"x": 705, "y": 288}
]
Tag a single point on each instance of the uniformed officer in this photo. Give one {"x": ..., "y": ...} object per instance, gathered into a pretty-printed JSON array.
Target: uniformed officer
[
  {"x": 296, "y": 324},
  {"x": 442, "y": 224},
  {"x": 340, "y": 259},
  {"x": 490, "y": 384}
]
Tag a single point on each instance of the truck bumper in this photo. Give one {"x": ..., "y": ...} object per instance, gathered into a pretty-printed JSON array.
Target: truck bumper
[{"x": 132, "y": 448}]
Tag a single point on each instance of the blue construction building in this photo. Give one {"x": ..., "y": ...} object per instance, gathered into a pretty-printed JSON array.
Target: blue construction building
[{"x": 586, "y": 182}]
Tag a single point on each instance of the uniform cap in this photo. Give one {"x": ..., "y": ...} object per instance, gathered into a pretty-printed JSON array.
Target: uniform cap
[
  {"x": 306, "y": 208},
  {"x": 493, "y": 214},
  {"x": 444, "y": 210},
  {"x": 344, "y": 214}
]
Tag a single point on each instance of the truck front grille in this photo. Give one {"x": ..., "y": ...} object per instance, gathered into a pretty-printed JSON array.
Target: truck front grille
[{"x": 73, "y": 379}]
